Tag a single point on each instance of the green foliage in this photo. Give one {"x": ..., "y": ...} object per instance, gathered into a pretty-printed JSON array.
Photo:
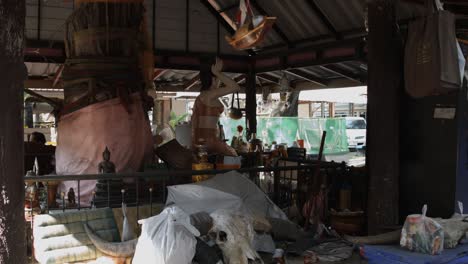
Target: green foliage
[{"x": 175, "y": 119}]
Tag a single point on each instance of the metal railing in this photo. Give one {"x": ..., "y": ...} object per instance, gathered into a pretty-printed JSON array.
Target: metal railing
[
  {"x": 289, "y": 184},
  {"x": 281, "y": 183}
]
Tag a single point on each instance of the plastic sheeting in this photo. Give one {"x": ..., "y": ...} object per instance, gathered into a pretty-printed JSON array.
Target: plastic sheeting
[
  {"x": 422, "y": 234},
  {"x": 167, "y": 238},
  {"x": 84, "y": 134},
  {"x": 289, "y": 129},
  {"x": 231, "y": 191}
]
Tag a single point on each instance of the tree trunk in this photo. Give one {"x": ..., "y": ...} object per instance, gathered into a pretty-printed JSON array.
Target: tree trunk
[
  {"x": 384, "y": 92},
  {"x": 293, "y": 105},
  {"x": 12, "y": 75}
]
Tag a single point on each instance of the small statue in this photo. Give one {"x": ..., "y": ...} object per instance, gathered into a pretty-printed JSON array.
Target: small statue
[
  {"x": 106, "y": 166},
  {"x": 31, "y": 194},
  {"x": 71, "y": 198}
]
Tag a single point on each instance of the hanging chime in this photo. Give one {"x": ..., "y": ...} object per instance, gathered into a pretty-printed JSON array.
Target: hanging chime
[{"x": 251, "y": 29}]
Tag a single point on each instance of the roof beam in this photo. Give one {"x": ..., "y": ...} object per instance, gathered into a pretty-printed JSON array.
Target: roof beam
[
  {"x": 194, "y": 81},
  {"x": 341, "y": 72},
  {"x": 267, "y": 77},
  {"x": 240, "y": 78},
  {"x": 276, "y": 28},
  {"x": 158, "y": 73},
  {"x": 325, "y": 20},
  {"x": 228, "y": 8},
  {"x": 325, "y": 53},
  {"x": 57, "y": 76},
  {"x": 222, "y": 18},
  {"x": 306, "y": 76}
]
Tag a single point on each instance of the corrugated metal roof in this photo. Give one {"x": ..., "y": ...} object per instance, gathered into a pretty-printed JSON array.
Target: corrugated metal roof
[{"x": 344, "y": 15}]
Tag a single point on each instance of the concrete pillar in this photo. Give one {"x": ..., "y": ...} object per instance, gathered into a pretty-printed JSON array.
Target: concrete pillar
[{"x": 351, "y": 109}]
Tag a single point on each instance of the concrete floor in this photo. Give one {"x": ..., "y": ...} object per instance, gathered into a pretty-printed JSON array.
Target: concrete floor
[{"x": 355, "y": 259}]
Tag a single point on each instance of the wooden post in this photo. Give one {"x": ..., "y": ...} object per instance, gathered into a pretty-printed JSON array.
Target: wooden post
[
  {"x": 331, "y": 110},
  {"x": 384, "y": 91},
  {"x": 351, "y": 109},
  {"x": 251, "y": 103},
  {"x": 322, "y": 109},
  {"x": 311, "y": 109},
  {"x": 13, "y": 72}
]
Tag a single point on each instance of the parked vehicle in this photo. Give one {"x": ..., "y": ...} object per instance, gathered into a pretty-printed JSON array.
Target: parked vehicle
[{"x": 356, "y": 132}]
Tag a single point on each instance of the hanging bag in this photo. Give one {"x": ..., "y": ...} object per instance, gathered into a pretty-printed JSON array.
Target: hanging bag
[{"x": 431, "y": 54}]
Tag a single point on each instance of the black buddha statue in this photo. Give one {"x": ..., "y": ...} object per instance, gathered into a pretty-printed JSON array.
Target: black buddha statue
[{"x": 106, "y": 166}]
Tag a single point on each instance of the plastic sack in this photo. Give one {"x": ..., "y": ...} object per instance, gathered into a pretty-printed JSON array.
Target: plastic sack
[
  {"x": 202, "y": 221},
  {"x": 167, "y": 238},
  {"x": 127, "y": 231},
  {"x": 422, "y": 234}
]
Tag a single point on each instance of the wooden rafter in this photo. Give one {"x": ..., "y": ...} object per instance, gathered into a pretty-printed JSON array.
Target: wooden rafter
[
  {"x": 57, "y": 76},
  {"x": 341, "y": 72},
  {"x": 276, "y": 28},
  {"x": 306, "y": 76},
  {"x": 324, "y": 18},
  {"x": 158, "y": 73},
  {"x": 240, "y": 78},
  {"x": 222, "y": 18},
  {"x": 194, "y": 81},
  {"x": 267, "y": 77},
  {"x": 228, "y": 8}
]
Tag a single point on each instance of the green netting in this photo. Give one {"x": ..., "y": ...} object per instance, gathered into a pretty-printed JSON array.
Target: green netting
[{"x": 289, "y": 129}]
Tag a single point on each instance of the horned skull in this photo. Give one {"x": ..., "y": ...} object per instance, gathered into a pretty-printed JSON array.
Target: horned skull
[
  {"x": 234, "y": 235},
  {"x": 455, "y": 229}
]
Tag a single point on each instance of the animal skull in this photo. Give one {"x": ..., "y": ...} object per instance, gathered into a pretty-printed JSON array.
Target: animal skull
[
  {"x": 234, "y": 235},
  {"x": 454, "y": 228}
]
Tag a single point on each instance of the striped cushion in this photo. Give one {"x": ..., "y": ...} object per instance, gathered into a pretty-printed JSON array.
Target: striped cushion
[{"x": 61, "y": 238}]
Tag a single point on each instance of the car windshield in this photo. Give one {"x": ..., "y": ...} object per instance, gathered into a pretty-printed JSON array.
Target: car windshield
[{"x": 355, "y": 124}]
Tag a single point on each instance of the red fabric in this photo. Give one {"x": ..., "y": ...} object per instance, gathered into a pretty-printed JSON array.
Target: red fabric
[{"x": 83, "y": 135}]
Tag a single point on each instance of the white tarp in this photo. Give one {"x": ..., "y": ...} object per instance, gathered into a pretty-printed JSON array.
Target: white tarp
[{"x": 231, "y": 190}]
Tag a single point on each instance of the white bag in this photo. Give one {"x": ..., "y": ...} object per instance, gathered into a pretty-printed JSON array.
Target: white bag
[
  {"x": 167, "y": 238},
  {"x": 127, "y": 231}
]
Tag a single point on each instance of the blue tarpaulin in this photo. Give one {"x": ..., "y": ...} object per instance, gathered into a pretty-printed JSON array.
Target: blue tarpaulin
[{"x": 397, "y": 255}]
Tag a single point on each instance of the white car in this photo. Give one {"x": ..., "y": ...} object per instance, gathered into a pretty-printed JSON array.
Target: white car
[{"x": 356, "y": 132}]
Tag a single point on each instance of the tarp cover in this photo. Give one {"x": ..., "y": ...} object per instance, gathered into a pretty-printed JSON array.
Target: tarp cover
[
  {"x": 231, "y": 191},
  {"x": 397, "y": 255},
  {"x": 84, "y": 134}
]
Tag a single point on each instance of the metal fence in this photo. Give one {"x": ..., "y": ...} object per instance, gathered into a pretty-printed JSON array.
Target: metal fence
[{"x": 290, "y": 181}]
